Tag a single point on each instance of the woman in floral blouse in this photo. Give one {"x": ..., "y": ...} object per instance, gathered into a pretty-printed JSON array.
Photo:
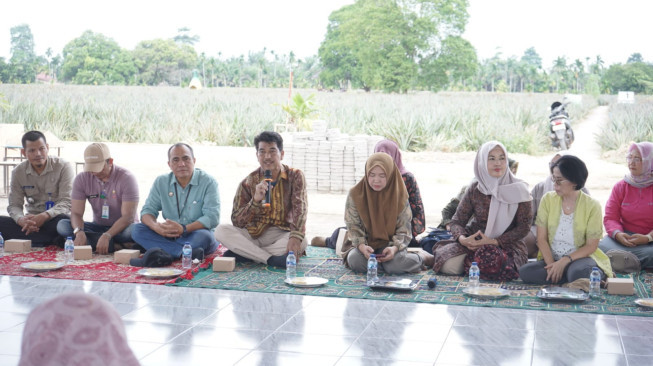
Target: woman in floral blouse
[{"x": 501, "y": 207}]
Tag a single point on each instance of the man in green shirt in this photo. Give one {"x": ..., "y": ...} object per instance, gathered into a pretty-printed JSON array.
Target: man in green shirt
[{"x": 189, "y": 202}]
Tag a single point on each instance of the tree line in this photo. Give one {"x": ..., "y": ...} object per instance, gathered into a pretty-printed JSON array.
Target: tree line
[{"x": 388, "y": 45}]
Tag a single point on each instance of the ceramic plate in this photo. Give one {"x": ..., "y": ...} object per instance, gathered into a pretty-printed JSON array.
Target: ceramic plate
[
  {"x": 486, "y": 292},
  {"x": 562, "y": 294},
  {"x": 306, "y": 281},
  {"x": 42, "y": 266},
  {"x": 160, "y": 272},
  {"x": 647, "y": 303},
  {"x": 404, "y": 284}
]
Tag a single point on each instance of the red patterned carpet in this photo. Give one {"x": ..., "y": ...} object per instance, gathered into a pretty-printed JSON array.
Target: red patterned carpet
[{"x": 99, "y": 268}]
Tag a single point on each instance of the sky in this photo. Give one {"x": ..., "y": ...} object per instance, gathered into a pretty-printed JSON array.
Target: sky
[{"x": 576, "y": 29}]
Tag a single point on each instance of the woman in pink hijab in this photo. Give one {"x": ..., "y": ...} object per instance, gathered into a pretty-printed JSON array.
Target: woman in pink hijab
[
  {"x": 628, "y": 216},
  {"x": 75, "y": 329},
  {"x": 414, "y": 197},
  {"x": 501, "y": 206}
]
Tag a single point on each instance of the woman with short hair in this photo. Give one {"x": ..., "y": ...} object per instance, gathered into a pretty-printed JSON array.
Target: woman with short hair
[{"x": 569, "y": 228}]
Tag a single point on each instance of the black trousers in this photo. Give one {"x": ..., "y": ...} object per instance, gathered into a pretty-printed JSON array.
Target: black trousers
[{"x": 46, "y": 235}]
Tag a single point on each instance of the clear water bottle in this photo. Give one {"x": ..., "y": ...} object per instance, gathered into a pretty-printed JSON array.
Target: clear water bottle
[
  {"x": 2, "y": 246},
  {"x": 474, "y": 275},
  {"x": 595, "y": 282},
  {"x": 69, "y": 250},
  {"x": 186, "y": 256},
  {"x": 291, "y": 266},
  {"x": 372, "y": 270}
]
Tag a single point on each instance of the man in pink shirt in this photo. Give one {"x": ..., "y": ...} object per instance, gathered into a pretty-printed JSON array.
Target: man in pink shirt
[{"x": 112, "y": 192}]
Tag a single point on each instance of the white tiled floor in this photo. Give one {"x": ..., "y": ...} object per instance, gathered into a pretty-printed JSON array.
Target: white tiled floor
[{"x": 184, "y": 326}]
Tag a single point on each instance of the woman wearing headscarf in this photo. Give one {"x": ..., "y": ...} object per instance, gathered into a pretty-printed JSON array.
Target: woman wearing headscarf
[
  {"x": 414, "y": 197},
  {"x": 378, "y": 217},
  {"x": 501, "y": 207},
  {"x": 75, "y": 329},
  {"x": 629, "y": 210},
  {"x": 568, "y": 229}
]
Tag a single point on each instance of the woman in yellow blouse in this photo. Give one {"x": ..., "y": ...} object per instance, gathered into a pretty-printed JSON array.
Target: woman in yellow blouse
[{"x": 569, "y": 227}]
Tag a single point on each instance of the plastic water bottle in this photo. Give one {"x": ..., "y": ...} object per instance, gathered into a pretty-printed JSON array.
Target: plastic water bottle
[
  {"x": 186, "y": 256},
  {"x": 372, "y": 269},
  {"x": 2, "y": 246},
  {"x": 49, "y": 203},
  {"x": 595, "y": 282},
  {"x": 474, "y": 275},
  {"x": 69, "y": 250},
  {"x": 291, "y": 266}
]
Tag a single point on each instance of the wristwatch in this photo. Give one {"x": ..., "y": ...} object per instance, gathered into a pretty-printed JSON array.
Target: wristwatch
[
  {"x": 76, "y": 231},
  {"x": 184, "y": 232}
]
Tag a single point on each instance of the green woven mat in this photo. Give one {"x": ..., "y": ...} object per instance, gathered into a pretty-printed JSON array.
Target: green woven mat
[{"x": 320, "y": 262}]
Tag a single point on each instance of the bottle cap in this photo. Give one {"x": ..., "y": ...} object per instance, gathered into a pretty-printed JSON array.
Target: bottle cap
[
  {"x": 372, "y": 255},
  {"x": 474, "y": 264},
  {"x": 69, "y": 238},
  {"x": 291, "y": 252},
  {"x": 595, "y": 268},
  {"x": 187, "y": 243}
]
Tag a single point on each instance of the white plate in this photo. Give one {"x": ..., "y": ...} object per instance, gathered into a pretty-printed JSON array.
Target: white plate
[
  {"x": 486, "y": 292},
  {"x": 306, "y": 281},
  {"x": 42, "y": 266},
  {"x": 646, "y": 303},
  {"x": 160, "y": 272}
]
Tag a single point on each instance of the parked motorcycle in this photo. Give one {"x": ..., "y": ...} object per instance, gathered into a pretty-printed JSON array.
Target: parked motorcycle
[{"x": 560, "y": 133}]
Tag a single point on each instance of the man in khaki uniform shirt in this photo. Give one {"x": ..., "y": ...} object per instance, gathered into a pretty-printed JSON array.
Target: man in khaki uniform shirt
[{"x": 41, "y": 185}]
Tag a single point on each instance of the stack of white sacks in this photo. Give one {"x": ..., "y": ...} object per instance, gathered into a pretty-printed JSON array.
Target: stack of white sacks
[{"x": 332, "y": 162}]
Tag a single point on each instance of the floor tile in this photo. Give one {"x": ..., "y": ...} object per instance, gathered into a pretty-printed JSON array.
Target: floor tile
[
  {"x": 169, "y": 314},
  {"x": 423, "y": 313},
  {"x": 283, "y": 304},
  {"x": 228, "y": 318},
  {"x": 153, "y": 332},
  {"x": 21, "y": 304},
  {"x": 11, "y": 320},
  {"x": 9, "y": 360},
  {"x": 519, "y": 338},
  {"x": 325, "y": 325},
  {"x": 142, "y": 349},
  {"x": 497, "y": 320},
  {"x": 413, "y": 331},
  {"x": 362, "y": 361},
  {"x": 397, "y": 349},
  {"x": 334, "y": 307},
  {"x": 266, "y": 358},
  {"x": 575, "y": 358},
  {"x": 636, "y": 327},
  {"x": 10, "y": 343},
  {"x": 222, "y": 337},
  {"x": 194, "y": 300},
  {"x": 483, "y": 355},
  {"x": 177, "y": 354},
  {"x": 638, "y": 346},
  {"x": 317, "y": 344},
  {"x": 577, "y": 342},
  {"x": 637, "y": 360},
  {"x": 587, "y": 323}
]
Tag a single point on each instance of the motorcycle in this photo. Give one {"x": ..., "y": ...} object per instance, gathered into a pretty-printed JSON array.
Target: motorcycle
[{"x": 560, "y": 133}]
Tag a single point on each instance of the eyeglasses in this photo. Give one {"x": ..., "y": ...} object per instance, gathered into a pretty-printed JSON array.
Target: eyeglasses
[
  {"x": 557, "y": 181},
  {"x": 634, "y": 159}
]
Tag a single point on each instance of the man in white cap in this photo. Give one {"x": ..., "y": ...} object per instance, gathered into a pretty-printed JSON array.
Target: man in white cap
[{"x": 112, "y": 192}]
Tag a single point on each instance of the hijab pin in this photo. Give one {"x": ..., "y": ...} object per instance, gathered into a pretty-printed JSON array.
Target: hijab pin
[{"x": 170, "y": 194}]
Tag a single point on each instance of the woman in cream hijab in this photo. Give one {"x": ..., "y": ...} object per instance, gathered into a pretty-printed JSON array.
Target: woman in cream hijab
[
  {"x": 378, "y": 219},
  {"x": 75, "y": 329},
  {"x": 501, "y": 207}
]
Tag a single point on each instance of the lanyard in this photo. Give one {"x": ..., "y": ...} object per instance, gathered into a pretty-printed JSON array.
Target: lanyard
[{"x": 177, "y": 198}]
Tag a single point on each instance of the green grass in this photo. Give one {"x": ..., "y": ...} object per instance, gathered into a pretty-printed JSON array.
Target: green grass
[
  {"x": 628, "y": 123},
  {"x": 230, "y": 116}
]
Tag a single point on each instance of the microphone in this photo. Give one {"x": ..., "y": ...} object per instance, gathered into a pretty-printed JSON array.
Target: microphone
[{"x": 268, "y": 178}]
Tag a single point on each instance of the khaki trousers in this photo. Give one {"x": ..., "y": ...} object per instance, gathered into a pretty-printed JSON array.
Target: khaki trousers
[{"x": 273, "y": 241}]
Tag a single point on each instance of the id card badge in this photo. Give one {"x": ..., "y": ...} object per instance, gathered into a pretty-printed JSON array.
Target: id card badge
[{"x": 105, "y": 211}]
